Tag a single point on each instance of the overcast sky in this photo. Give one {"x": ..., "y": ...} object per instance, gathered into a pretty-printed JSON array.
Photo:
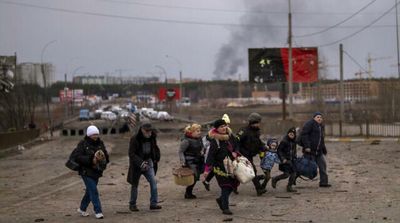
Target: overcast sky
[{"x": 209, "y": 38}]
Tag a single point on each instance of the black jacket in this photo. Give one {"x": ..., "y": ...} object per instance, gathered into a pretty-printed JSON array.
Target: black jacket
[
  {"x": 250, "y": 142},
  {"x": 84, "y": 155},
  {"x": 312, "y": 136},
  {"x": 219, "y": 149},
  {"x": 136, "y": 156},
  {"x": 287, "y": 149}
]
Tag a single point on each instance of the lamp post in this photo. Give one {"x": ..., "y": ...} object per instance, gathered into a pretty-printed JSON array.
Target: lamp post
[
  {"x": 180, "y": 73},
  {"x": 45, "y": 87}
]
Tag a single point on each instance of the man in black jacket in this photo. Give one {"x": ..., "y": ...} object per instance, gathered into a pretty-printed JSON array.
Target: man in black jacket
[
  {"x": 312, "y": 141},
  {"x": 251, "y": 145},
  {"x": 144, "y": 155}
]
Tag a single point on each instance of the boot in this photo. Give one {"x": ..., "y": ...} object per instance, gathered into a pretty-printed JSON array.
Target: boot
[
  {"x": 273, "y": 182},
  {"x": 261, "y": 191},
  {"x": 290, "y": 189}
]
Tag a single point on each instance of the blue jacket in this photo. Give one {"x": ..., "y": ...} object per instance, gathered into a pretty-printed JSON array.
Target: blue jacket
[{"x": 269, "y": 160}]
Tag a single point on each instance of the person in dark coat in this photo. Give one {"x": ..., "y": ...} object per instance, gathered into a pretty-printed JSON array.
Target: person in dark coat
[
  {"x": 313, "y": 143},
  {"x": 144, "y": 155},
  {"x": 191, "y": 155},
  {"x": 287, "y": 154},
  {"x": 222, "y": 147},
  {"x": 92, "y": 157},
  {"x": 251, "y": 145}
]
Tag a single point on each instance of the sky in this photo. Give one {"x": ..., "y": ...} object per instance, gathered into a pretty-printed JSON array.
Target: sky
[{"x": 205, "y": 39}]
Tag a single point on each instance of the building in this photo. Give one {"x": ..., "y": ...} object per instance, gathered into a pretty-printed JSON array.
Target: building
[
  {"x": 105, "y": 79},
  {"x": 31, "y": 73}
]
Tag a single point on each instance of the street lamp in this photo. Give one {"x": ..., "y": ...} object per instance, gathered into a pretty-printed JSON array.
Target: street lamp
[
  {"x": 45, "y": 86},
  {"x": 180, "y": 73}
]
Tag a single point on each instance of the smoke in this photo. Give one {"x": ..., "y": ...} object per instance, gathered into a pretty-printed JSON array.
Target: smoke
[{"x": 233, "y": 56}]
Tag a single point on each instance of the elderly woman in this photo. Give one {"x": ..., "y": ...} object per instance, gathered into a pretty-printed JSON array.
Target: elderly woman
[{"x": 191, "y": 154}]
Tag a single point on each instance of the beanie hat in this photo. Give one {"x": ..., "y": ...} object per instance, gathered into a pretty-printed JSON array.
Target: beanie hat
[
  {"x": 219, "y": 122},
  {"x": 272, "y": 140},
  {"x": 292, "y": 130},
  {"x": 254, "y": 118},
  {"x": 226, "y": 118},
  {"x": 92, "y": 130},
  {"x": 316, "y": 113}
]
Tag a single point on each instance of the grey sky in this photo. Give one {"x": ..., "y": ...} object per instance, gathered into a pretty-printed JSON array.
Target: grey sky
[{"x": 135, "y": 35}]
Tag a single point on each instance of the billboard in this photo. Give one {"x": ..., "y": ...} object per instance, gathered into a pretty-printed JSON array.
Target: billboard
[
  {"x": 169, "y": 94},
  {"x": 268, "y": 65}
]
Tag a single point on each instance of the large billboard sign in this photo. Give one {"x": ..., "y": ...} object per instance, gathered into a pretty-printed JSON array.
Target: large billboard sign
[{"x": 268, "y": 65}]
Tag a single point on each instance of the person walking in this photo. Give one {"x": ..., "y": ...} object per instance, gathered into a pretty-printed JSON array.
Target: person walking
[
  {"x": 313, "y": 143},
  {"x": 191, "y": 155},
  {"x": 251, "y": 145},
  {"x": 92, "y": 157},
  {"x": 144, "y": 155}
]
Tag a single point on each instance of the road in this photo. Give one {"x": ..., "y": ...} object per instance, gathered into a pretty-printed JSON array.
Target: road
[{"x": 35, "y": 186}]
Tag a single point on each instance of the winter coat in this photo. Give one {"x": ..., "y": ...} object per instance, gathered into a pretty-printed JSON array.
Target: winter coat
[
  {"x": 250, "y": 142},
  {"x": 84, "y": 155},
  {"x": 269, "y": 160},
  {"x": 287, "y": 151},
  {"x": 136, "y": 156},
  {"x": 191, "y": 149},
  {"x": 312, "y": 136}
]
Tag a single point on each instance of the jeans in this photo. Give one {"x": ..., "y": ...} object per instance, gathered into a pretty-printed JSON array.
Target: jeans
[
  {"x": 91, "y": 195},
  {"x": 323, "y": 176},
  {"x": 150, "y": 177}
]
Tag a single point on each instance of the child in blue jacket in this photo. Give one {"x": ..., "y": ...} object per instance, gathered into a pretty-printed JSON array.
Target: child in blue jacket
[{"x": 268, "y": 161}]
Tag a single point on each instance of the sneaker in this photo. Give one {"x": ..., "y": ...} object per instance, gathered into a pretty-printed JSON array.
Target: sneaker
[
  {"x": 99, "y": 215},
  {"x": 219, "y": 202},
  {"x": 227, "y": 212},
  {"x": 155, "y": 207},
  {"x": 325, "y": 185},
  {"x": 133, "y": 208},
  {"x": 190, "y": 196},
  {"x": 83, "y": 213},
  {"x": 206, "y": 185},
  {"x": 273, "y": 182}
]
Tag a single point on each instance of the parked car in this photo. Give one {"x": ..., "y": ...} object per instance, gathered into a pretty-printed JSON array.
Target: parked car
[
  {"x": 107, "y": 115},
  {"x": 164, "y": 116},
  {"x": 83, "y": 114}
]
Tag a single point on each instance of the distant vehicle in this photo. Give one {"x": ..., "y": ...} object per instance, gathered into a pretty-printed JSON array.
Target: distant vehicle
[
  {"x": 185, "y": 102},
  {"x": 107, "y": 115},
  {"x": 84, "y": 114},
  {"x": 92, "y": 115},
  {"x": 164, "y": 116},
  {"x": 123, "y": 114}
]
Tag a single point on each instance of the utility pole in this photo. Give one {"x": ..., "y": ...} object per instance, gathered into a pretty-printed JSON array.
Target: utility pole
[
  {"x": 290, "y": 64},
  {"x": 65, "y": 96},
  {"x": 397, "y": 42},
  {"x": 239, "y": 87},
  {"x": 341, "y": 90}
]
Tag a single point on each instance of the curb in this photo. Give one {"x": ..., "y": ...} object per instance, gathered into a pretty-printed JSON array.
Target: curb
[{"x": 369, "y": 140}]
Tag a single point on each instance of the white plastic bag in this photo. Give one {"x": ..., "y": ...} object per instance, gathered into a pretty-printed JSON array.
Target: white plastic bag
[{"x": 243, "y": 170}]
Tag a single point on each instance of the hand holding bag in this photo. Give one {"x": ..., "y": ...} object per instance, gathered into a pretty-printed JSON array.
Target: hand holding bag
[{"x": 243, "y": 169}]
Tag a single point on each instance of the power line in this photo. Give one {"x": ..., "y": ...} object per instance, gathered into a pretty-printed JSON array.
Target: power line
[
  {"x": 362, "y": 29},
  {"x": 354, "y": 60},
  {"x": 225, "y": 10},
  {"x": 339, "y": 23},
  {"x": 170, "y": 20}
]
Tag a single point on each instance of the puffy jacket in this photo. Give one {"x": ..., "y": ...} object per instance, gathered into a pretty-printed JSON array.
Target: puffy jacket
[
  {"x": 84, "y": 155},
  {"x": 312, "y": 136}
]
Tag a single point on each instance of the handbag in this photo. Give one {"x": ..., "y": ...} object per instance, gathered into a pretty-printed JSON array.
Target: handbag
[
  {"x": 306, "y": 166},
  {"x": 243, "y": 169},
  {"x": 72, "y": 165}
]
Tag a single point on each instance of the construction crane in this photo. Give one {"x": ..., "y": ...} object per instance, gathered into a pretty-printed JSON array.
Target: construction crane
[{"x": 369, "y": 61}]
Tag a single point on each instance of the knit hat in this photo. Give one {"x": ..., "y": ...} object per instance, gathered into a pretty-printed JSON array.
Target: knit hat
[
  {"x": 292, "y": 130},
  {"x": 316, "y": 113},
  {"x": 219, "y": 122},
  {"x": 146, "y": 125},
  {"x": 225, "y": 117},
  {"x": 92, "y": 130},
  {"x": 272, "y": 140},
  {"x": 254, "y": 118}
]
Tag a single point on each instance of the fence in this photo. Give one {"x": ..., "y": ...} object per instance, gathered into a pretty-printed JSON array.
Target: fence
[{"x": 364, "y": 129}]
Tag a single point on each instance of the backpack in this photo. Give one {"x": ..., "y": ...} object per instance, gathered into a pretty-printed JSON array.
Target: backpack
[{"x": 306, "y": 166}]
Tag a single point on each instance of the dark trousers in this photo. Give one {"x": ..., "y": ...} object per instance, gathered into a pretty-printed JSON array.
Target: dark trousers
[
  {"x": 256, "y": 179},
  {"x": 225, "y": 193},
  {"x": 267, "y": 174},
  {"x": 209, "y": 176},
  {"x": 321, "y": 163},
  {"x": 292, "y": 177},
  {"x": 189, "y": 189}
]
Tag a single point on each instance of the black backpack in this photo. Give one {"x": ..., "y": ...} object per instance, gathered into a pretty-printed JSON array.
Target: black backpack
[{"x": 71, "y": 162}]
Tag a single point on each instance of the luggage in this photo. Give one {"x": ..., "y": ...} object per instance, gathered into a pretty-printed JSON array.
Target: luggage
[
  {"x": 243, "y": 170},
  {"x": 183, "y": 176},
  {"x": 306, "y": 166}
]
